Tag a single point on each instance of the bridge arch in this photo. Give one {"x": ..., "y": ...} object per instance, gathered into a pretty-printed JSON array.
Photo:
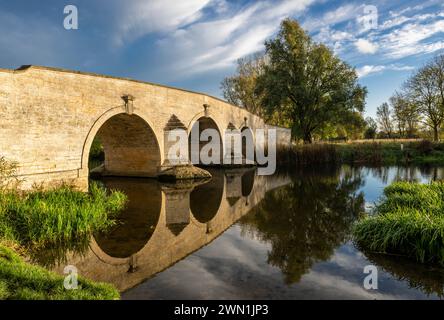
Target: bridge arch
[
  {"x": 205, "y": 122},
  {"x": 130, "y": 143}
]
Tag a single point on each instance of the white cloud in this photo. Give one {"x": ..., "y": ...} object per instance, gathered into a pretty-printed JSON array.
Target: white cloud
[
  {"x": 374, "y": 69},
  {"x": 365, "y": 46},
  {"x": 342, "y": 14},
  {"x": 409, "y": 40},
  {"x": 140, "y": 17},
  {"x": 215, "y": 44}
]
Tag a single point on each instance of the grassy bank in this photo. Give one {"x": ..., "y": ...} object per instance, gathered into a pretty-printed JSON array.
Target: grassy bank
[
  {"x": 365, "y": 153},
  {"x": 22, "y": 281},
  {"x": 409, "y": 221},
  {"x": 37, "y": 218}
]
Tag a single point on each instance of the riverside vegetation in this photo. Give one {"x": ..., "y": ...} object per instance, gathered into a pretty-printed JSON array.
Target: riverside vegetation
[
  {"x": 408, "y": 221},
  {"x": 364, "y": 153},
  {"x": 38, "y": 218}
]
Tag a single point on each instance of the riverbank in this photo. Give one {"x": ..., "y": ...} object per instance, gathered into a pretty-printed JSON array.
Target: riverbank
[
  {"x": 371, "y": 152},
  {"x": 20, "y": 280},
  {"x": 37, "y": 219},
  {"x": 409, "y": 221}
]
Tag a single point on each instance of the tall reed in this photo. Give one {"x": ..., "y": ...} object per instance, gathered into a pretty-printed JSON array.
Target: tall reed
[
  {"x": 61, "y": 214},
  {"x": 408, "y": 221}
]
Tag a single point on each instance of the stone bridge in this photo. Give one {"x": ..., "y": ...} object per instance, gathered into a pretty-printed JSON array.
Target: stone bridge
[
  {"x": 180, "y": 223},
  {"x": 50, "y": 117}
]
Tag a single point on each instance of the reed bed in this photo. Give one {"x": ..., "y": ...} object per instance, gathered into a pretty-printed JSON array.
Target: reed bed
[
  {"x": 41, "y": 217},
  {"x": 408, "y": 221}
]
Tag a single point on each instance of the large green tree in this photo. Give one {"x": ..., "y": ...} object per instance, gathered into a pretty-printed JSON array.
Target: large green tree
[{"x": 306, "y": 84}]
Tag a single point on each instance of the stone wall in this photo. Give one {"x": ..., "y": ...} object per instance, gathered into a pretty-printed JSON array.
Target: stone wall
[{"x": 49, "y": 118}]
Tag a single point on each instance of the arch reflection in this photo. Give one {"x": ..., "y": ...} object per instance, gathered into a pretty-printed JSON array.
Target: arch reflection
[
  {"x": 248, "y": 182},
  {"x": 136, "y": 224},
  {"x": 205, "y": 199}
]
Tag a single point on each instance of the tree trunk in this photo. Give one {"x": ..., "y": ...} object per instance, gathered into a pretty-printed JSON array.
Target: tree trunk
[
  {"x": 307, "y": 138},
  {"x": 435, "y": 133}
]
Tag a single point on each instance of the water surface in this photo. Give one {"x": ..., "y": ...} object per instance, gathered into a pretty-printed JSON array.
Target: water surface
[{"x": 243, "y": 236}]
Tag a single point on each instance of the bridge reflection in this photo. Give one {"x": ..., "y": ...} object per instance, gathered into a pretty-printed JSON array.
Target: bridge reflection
[{"x": 163, "y": 223}]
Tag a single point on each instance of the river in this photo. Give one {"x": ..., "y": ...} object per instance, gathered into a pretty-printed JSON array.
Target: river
[{"x": 243, "y": 236}]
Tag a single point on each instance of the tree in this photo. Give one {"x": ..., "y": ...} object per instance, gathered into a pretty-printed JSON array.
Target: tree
[
  {"x": 426, "y": 89},
  {"x": 354, "y": 125},
  {"x": 405, "y": 114},
  {"x": 383, "y": 114},
  {"x": 372, "y": 128},
  {"x": 240, "y": 89},
  {"x": 306, "y": 83}
]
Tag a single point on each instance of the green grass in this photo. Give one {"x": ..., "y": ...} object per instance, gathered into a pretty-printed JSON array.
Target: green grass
[
  {"x": 41, "y": 217},
  {"x": 57, "y": 219},
  {"x": 22, "y": 281},
  {"x": 409, "y": 221}
]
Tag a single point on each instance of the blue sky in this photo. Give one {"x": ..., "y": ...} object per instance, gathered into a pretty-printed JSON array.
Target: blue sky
[{"x": 194, "y": 44}]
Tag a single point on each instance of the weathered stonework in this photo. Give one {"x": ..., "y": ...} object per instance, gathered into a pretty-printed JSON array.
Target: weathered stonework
[{"x": 49, "y": 118}]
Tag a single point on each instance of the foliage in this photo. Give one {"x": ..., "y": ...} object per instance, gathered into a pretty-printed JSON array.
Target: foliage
[
  {"x": 305, "y": 83},
  {"x": 371, "y": 128},
  {"x": 240, "y": 89},
  {"x": 409, "y": 221},
  {"x": 22, "y": 281},
  {"x": 384, "y": 115},
  {"x": 405, "y": 114},
  {"x": 369, "y": 153},
  {"x": 391, "y": 153}
]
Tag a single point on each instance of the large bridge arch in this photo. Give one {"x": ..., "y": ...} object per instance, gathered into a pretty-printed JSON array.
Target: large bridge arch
[
  {"x": 205, "y": 122},
  {"x": 130, "y": 143}
]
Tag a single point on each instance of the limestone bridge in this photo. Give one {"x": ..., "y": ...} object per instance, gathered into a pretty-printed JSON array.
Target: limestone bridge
[{"x": 50, "y": 117}]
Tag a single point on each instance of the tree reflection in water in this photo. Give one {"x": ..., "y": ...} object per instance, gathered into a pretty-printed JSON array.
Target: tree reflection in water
[
  {"x": 306, "y": 220},
  {"x": 428, "y": 279}
]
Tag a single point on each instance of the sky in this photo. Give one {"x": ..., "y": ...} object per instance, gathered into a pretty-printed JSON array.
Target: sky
[{"x": 194, "y": 44}]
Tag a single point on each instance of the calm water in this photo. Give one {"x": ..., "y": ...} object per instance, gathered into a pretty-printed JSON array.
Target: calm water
[{"x": 243, "y": 236}]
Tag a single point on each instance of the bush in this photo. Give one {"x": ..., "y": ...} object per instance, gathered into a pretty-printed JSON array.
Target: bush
[{"x": 425, "y": 147}]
